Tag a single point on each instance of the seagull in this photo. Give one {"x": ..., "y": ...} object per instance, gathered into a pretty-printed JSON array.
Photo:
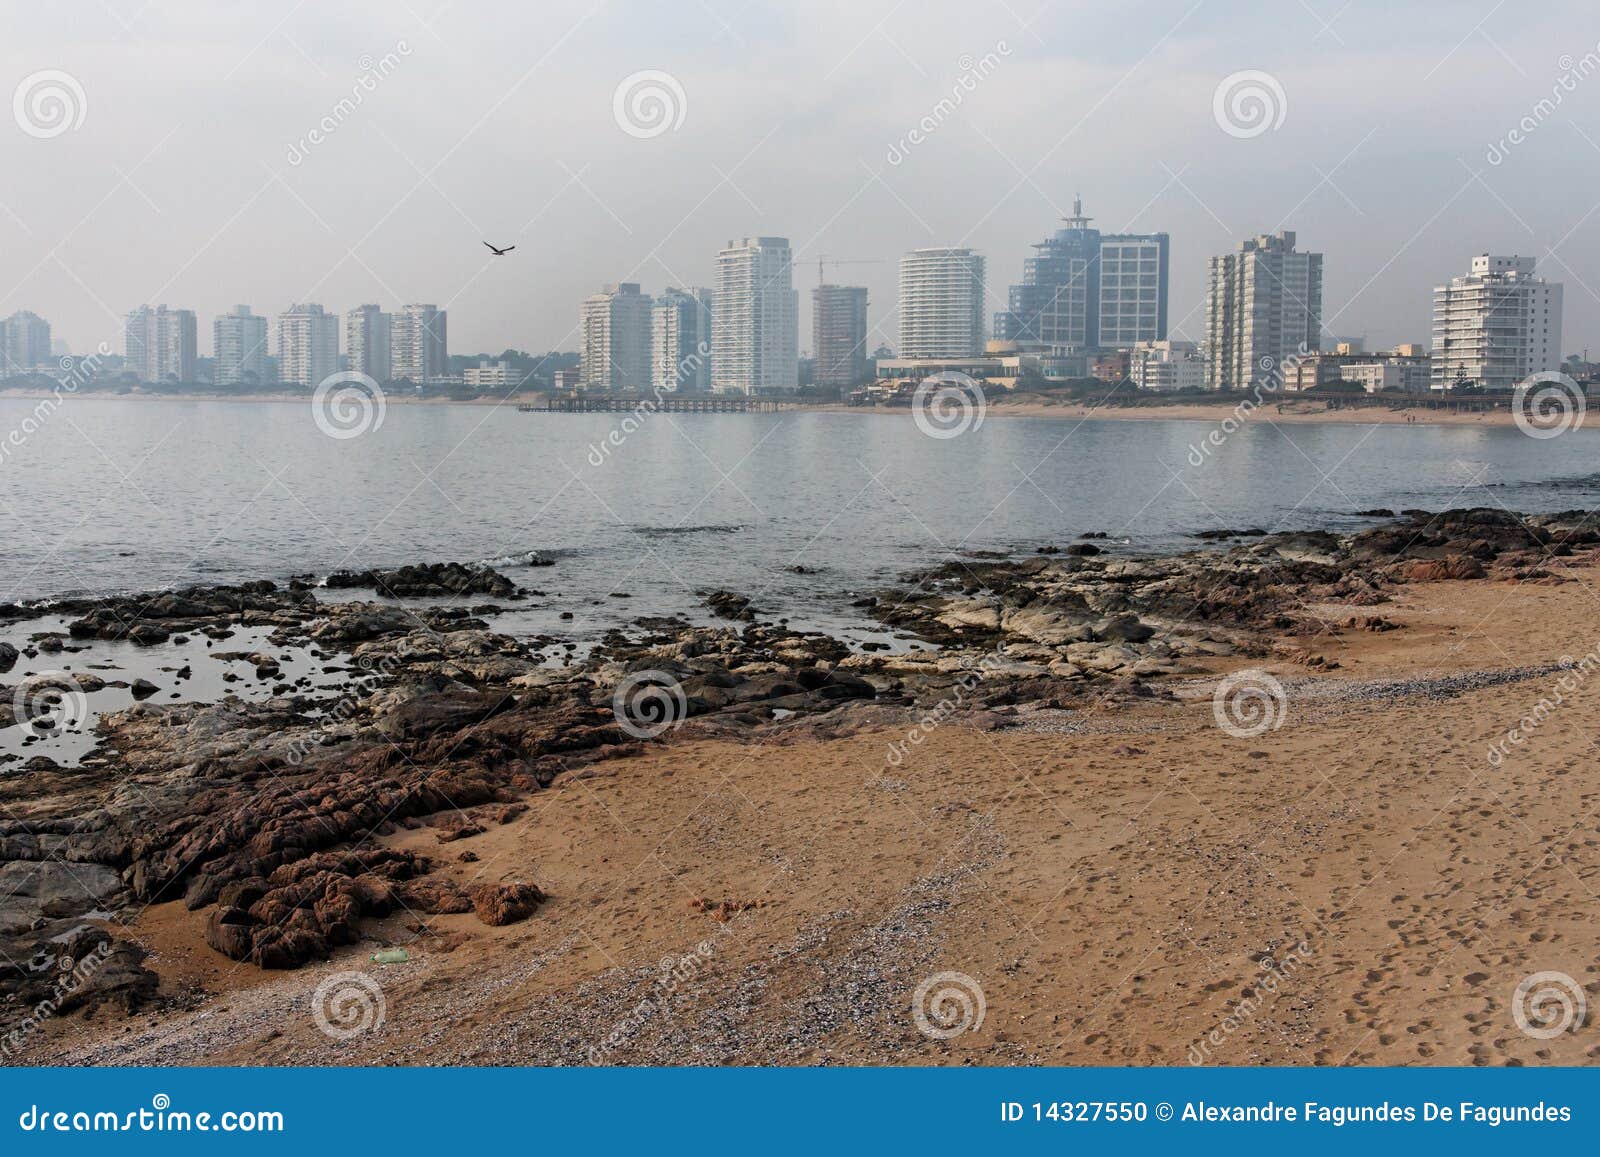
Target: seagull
[{"x": 500, "y": 252}]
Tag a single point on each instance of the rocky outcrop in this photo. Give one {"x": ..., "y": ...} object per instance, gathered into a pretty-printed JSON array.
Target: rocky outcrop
[
  {"x": 271, "y": 817},
  {"x": 66, "y": 966},
  {"x": 428, "y": 580},
  {"x": 147, "y": 619}
]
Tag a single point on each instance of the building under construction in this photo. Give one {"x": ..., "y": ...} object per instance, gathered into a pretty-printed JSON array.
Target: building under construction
[{"x": 839, "y": 332}]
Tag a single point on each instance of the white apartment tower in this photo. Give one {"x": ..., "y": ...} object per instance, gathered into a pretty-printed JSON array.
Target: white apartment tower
[
  {"x": 367, "y": 342},
  {"x": 420, "y": 349},
  {"x": 616, "y": 339},
  {"x": 680, "y": 341},
  {"x": 308, "y": 345},
  {"x": 1263, "y": 308},
  {"x": 1495, "y": 326},
  {"x": 756, "y": 324},
  {"x": 239, "y": 348},
  {"x": 941, "y": 303},
  {"x": 159, "y": 343}
]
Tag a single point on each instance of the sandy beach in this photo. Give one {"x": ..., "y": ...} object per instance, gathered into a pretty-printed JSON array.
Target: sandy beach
[
  {"x": 1285, "y": 409},
  {"x": 1124, "y": 883}
]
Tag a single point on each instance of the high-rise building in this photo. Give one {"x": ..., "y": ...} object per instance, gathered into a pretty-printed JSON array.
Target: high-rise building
[
  {"x": 239, "y": 347},
  {"x": 755, "y": 326},
  {"x": 419, "y": 346},
  {"x": 24, "y": 344},
  {"x": 1496, "y": 325},
  {"x": 1089, "y": 290},
  {"x": 367, "y": 342},
  {"x": 839, "y": 336},
  {"x": 941, "y": 303},
  {"x": 680, "y": 341},
  {"x": 308, "y": 345},
  {"x": 616, "y": 338},
  {"x": 159, "y": 343},
  {"x": 1263, "y": 308}
]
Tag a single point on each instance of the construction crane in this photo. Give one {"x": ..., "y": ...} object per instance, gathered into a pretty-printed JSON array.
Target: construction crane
[{"x": 821, "y": 280}]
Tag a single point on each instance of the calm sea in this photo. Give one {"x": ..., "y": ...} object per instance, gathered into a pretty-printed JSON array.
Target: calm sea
[{"x": 801, "y": 511}]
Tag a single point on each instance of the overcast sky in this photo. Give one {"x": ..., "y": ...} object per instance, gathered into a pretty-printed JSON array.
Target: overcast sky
[{"x": 191, "y": 179}]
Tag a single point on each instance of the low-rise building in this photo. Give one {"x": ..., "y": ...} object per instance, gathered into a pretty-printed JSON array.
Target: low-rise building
[
  {"x": 1003, "y": 368},
  {"x": 1406, "y": 369},
  {"x": 1167, "y": 366},
  {"x": 1109, "y": 366},
  {"x": 488, "y": 375}
]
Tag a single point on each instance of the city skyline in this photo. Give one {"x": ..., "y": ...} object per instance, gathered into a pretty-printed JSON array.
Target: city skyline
[
  {"x": 939, "y": 305},
  {"x": 388, "y": 204}
]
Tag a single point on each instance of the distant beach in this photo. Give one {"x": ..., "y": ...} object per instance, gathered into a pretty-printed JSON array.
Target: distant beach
[{"x": 1284, "y": 408}]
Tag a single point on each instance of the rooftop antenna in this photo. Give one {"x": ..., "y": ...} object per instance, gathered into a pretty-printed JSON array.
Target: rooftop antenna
[{"x": 1078, "y": 220}]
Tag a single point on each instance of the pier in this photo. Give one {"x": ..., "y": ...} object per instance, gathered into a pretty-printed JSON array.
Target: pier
[{"x": 584, "y": 402}]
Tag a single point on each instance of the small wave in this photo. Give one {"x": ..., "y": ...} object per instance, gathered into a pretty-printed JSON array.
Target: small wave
[
  {"x": 1574, "y": 482},
  {"x": 524, "y": 558},
  {"x": 668, "y": 531}
]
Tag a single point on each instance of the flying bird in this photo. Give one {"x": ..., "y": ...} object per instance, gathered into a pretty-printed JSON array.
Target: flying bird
[{"x": 500, "y": 252}]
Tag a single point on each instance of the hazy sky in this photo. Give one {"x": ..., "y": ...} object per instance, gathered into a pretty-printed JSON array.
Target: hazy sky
[{"x": 181, "y": 183}]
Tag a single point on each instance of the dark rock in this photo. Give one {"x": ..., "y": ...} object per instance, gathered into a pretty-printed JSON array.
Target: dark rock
[
  {"x": 427, "y": 580},
  {"x": 727, "y": 605},
  {"x": 1124, "y": 629}
]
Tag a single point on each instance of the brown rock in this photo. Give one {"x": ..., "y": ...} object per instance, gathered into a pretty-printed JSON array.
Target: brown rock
[{"x": 505, "y": 903}]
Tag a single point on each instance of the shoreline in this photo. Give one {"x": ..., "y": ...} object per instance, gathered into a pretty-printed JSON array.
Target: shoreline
[
  {"x": 1281, "y": 410},
  {"x": 799, "y": 811}
]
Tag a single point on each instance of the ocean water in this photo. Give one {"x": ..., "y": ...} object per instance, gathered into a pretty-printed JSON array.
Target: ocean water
[{"x": 801, "y": 511}]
